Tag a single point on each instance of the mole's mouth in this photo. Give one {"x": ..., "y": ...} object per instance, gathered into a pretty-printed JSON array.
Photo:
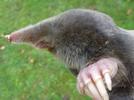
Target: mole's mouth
[{"x": 42, "y": 44}]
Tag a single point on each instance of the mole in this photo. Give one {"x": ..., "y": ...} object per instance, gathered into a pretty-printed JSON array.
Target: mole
[{"x": 97, "y": 51}]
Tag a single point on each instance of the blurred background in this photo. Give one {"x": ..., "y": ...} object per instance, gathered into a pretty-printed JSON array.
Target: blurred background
[{"x": 27, "y": 73}]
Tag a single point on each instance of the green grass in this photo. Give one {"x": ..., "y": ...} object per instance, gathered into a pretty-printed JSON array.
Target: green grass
[{"x": 30, "y": 74}]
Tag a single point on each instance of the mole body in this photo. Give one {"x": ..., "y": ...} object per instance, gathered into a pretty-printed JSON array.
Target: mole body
[{"x": 94, "y": 48}]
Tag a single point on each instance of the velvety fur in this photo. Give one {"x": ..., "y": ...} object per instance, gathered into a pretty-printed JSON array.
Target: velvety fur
[{"x": 81, "y": 37}]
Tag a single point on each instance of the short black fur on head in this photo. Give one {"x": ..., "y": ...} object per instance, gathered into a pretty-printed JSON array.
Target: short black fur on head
[{"x": 80, "y": 37}]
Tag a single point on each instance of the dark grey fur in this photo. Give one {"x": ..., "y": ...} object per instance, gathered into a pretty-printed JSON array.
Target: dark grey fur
[{"x": 80, "y": 37}]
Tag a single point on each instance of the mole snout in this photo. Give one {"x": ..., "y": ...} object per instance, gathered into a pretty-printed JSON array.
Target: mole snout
[
  {"x": 7, "y": 37},
  {"x": 11, "y": 37}
]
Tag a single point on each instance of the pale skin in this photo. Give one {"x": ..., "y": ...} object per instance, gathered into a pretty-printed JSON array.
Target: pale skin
[
  {"x": 92, "y": 79},
  {"x": 96, "y": 78}
]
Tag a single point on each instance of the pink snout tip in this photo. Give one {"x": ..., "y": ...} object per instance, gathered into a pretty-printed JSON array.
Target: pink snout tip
[
  {"x": 11, "y": 37},
  {"x": 8, "y": 37}
]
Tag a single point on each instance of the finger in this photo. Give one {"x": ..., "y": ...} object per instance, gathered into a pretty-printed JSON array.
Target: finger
[
  {"x": 87, "y": 92},
  {"x": 80, "y": 87},
  {"x": 106, "y": 74},
  {"x": 108, "y": 81},
  {"x": 96, "y": 76},
  {"x": 89, "y": 87},
  {"x": 86, "y": 80},
  {"x": 82, "y": 79},
  {"x": 93, "y": 91},
  {"x": 107, "y": 77},
  {"x": 101, "y": 88}
]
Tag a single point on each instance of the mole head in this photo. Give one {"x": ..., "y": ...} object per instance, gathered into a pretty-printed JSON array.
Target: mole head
[{"x": 38, "y": 36}]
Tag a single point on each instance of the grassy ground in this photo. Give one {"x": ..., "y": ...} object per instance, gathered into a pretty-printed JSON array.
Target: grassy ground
[{"x": 30, "y": 74}]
